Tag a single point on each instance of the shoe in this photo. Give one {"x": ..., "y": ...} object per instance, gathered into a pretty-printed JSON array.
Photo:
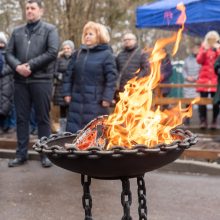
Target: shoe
[
  {"x": 45, "y": 162},
  {"x": 203, "y": 125},
  {"x": 213, "y": 126},
  {"x": 16, "y": 162},
  {"x": 34, "y": 131}
]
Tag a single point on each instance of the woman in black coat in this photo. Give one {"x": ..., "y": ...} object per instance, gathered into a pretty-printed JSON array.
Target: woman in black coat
[
  {"x": 90, "y": 80},
  {"x": 62, "y": 62},
  {"x": 6, "y": 92}
]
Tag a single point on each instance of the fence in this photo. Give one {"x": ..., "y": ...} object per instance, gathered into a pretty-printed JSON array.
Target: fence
[{"x": 160, "y": 100}]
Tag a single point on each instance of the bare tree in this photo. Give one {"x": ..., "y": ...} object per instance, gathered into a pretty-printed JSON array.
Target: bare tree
[{"x": 71, "y": 15}]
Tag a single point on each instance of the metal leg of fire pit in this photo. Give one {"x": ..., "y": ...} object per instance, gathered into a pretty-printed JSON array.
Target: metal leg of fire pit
[
  {"x": 126, "y": 198},
  {"x": 142, "y": 209},
  {"x": 86, "y": 198}
]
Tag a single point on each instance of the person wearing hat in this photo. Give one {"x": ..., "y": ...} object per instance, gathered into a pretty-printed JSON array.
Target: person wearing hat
[
  {"x": 64, "y": 57},
  {"x": 3, "y": 40}
]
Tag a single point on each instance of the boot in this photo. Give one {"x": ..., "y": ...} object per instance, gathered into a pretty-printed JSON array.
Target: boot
[
  {"x": 213, "y": 125},
  {"x": 203, "y": 124},
  {"x": 62, "y": 125},
  {"x": 45, "y": 162},
  {"x": 18, "y": 161}
]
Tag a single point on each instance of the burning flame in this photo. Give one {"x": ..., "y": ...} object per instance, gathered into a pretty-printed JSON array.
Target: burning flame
[{"x": 134, "y": 120}]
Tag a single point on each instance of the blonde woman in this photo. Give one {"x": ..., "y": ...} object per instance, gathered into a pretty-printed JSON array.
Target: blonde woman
[
  {"x": 90, "y": 80},
  {"x": 206, "y": 57}
]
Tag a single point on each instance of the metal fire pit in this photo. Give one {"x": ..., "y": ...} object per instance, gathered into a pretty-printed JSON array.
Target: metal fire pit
[{"x": 117, "y": 163}]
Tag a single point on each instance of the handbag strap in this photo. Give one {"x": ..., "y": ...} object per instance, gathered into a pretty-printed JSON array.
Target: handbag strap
[
  {"x": 128, "y": 61},
  {"x": 125, "y": 66}
]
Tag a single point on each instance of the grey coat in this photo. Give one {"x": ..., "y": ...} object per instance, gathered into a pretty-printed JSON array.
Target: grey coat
[{"x": 190, "y": 68}]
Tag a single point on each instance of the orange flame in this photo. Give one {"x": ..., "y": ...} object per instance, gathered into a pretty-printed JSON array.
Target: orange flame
[{"x": 134, "y": 121}]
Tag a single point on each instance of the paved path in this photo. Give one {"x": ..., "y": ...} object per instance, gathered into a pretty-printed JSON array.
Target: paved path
[{"x": 33, "y": 193}]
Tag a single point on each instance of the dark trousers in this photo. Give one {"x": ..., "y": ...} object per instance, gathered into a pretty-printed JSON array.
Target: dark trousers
[
  {"x": 28, "y": 95},
  {"x": 63, "y": 111},
  {"x": 203, "y": 108}
]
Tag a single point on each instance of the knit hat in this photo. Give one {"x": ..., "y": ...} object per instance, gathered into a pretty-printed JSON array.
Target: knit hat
[
  {"x": 69, "y": 43},
  {"x": 3, "y": 38}
]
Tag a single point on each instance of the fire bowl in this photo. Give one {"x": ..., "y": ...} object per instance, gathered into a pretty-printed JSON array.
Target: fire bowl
[{"x": 117, "y": 163}]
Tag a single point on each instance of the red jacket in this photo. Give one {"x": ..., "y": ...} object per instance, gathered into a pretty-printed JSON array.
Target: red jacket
[{"x": 207, "y": 74}]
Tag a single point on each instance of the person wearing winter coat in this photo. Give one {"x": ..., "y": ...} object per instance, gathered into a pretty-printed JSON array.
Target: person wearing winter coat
[
  {"x": 63, "y": 60},
  {"x": 190, "y": 74},
  {"x": 90, "y": 80},
  {"x": 165, "y": 72},
  {"x": 31, "y": 53},
  {"x": 6, "y": 91},
  {"x": 131, "y": 61},
  {"x": 206, "y": 57}
]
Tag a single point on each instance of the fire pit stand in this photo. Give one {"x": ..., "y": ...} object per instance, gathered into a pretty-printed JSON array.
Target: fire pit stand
[
  {"x": 126, "y": 198},
  {"x": 118, "y": 163}
]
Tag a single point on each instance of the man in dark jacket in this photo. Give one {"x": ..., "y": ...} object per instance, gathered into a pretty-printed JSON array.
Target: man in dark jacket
[
  {"x": 131, "y": 61},
  {"x": 31, "y": 52}
]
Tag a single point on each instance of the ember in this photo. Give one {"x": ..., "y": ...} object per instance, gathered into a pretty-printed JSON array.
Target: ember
[{"x": 92, "y": 135}]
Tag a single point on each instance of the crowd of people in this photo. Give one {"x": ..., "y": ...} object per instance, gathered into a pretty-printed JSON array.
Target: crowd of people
[{"x": 84, "y": 82}]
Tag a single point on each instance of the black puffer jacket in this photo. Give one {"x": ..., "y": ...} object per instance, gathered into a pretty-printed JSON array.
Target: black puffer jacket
[
  {"x": 39, "y": 49},
  {"x": 6, "y": 89},
  {"x": 61, "y": 66},
  {"x": 90, "y": 79}
]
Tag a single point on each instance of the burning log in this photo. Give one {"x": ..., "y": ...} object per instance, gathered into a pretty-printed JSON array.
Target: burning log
[{"x": 92, "y": 135}]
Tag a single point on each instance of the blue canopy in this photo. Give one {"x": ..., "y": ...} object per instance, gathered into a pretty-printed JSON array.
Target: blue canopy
[{"x": 202, "y": 16}]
